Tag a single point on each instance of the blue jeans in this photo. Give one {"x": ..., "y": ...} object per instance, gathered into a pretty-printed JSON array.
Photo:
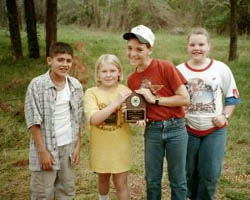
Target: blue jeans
[
  {"x": 204, "y": 162},
  {"x": 166, "y": 138}
]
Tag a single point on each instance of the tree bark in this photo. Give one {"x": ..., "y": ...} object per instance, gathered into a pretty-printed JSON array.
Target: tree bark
[
  {"x": 124, "y": 22},
  {"x": 233, "y": 31},
  {"x": 108, "y": 22},
  {"x": 51, "y": 23},
  {"x": 3, "y": 14},
  {"x": 40, "y": 10},
  {"x": 30, "y": 18},
  {"x": 97, "y": 13},
  {"x": 88, "y": 12},
  {"x": 20, "y": 13},
  {"x": 16, "y": 44}
]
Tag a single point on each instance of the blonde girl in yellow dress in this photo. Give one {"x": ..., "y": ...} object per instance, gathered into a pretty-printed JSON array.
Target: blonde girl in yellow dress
[{"x": 110, "y": 136}]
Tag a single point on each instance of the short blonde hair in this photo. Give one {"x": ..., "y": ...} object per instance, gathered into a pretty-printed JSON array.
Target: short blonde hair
[
  {"x": 108, "y": 59},
  {"x": 199, "y": 31}
]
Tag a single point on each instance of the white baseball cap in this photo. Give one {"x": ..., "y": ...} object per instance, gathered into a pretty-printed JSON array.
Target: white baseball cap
[{"x": 142, "y": 33}]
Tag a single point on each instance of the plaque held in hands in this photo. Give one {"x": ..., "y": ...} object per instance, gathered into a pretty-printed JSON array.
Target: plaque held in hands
[{"x": 136, "y": 108}]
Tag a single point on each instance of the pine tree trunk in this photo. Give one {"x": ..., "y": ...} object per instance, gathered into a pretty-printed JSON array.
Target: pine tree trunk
[
  {"x": 40, "y": 10},
  {"x": 3, "y": 14},
  {"x": 124, "y": 22},
  {"x": 51, "y": 23},
  {"x": 108, "y": 22},
  {"x": 88, "y": 12},
  {"x": 16, "y": 44},
  {"x": 30, "y": 18},
  {"x": 233, "y": 32},
  {"x": 97, "y": 13}
]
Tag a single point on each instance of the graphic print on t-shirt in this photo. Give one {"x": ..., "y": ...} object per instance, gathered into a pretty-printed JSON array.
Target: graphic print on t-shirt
[
  {"x": 112, "y": 122},
  {"x": 202, "y": 96},
  {"x": 146, "y": 83}
]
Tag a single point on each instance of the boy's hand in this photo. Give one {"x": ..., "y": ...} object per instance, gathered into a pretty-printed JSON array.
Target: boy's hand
[
  {"x": 149, "y": 97},
  {"x": 76, "y": 154},
  {"x": 46, "y": 160}
]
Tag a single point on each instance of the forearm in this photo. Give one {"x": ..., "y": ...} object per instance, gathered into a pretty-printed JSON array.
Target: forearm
[
  {"x": 229, "y": 110},
  {"x": 99, "y": 116},
  {"x": 78, "y": 141},
  {"x": 37, "y": 137},
  {"x": 46, "y": 159},
  {"x": 179, "y": 98},
  {"x": 174, "y": 101}
]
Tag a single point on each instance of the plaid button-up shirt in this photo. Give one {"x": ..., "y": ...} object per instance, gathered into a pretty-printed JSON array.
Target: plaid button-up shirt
[{"x": 39, "y": 110}]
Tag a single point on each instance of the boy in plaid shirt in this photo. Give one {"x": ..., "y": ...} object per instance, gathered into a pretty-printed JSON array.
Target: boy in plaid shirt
[{"x": 53, "y": 112}]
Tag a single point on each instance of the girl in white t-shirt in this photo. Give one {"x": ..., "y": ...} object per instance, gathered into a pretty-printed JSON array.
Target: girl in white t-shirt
[{"x": 206, "y": 116}]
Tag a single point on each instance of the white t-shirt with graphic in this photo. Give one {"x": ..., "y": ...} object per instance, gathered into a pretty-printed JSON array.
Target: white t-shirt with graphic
[
  {"x": 206, "y": 88},
  {"x": 63, "y": 128}
]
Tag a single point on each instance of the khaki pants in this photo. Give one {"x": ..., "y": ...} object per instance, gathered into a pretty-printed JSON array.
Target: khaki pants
[{"x": 55, "y": 184}]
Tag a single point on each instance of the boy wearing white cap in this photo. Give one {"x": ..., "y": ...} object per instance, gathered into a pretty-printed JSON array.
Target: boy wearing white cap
[{"x": 163, "y": 88}]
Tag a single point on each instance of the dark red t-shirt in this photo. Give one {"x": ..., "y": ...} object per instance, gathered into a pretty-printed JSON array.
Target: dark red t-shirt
[{"x": 163, "y": 79}]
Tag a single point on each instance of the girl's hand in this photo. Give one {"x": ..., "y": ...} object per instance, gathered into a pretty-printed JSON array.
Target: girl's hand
[
  {"x": 123, "y": 95},
  {"x": 123, "y": 108},
  {"x": 220, "y": 121},
  {"x": 149, "y": 97},
  {"x": 76, "y": 153},
  {"x": 140, "y": 123}
]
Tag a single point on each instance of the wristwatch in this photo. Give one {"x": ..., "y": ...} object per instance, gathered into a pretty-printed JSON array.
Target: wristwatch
[
  {"x": 157, "y": 101},
  {"x": 226, "y": 115}
]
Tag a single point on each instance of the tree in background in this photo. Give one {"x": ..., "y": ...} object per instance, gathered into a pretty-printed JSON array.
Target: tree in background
[
  {"x": 108, "y": 22},
  {"x": 88, "y": 13},
  {"x": 40, "y": 6},
  {"x": 124, "y": 15},
  {"x": 243, "y": 16},
  {"x": 30, "y": 18},
  {"x": 16, "y": 44},
  {"x": 3, "y": 14},
  {"x": 51, "y": 23},
  {"x": 96, "y": 13},
  {"x": 233, "y": 31}
]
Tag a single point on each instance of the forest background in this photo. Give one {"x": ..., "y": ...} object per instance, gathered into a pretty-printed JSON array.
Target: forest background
[{"x": 95, "y": 27}]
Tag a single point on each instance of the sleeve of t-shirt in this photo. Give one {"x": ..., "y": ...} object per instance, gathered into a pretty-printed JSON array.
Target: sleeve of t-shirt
[
  {"x": 184, "y": 81},
  {"x": 228, "y": 83},
  {"x": 90, "y": 104},
  {"x": 175, "y": 78}
]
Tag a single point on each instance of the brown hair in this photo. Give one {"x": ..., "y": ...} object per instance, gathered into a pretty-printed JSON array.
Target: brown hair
[
  {"x": 132, "y": 36},
  {"x": 199, "y": 31},
  {"x": 110, "y": 59},
  {"x": 60, "y": 48}
]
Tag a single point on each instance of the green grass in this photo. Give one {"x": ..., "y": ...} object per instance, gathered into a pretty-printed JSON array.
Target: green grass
[{"x": 14, "y": 138}]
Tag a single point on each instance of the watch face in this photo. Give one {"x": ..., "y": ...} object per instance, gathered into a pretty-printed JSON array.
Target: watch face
[
  {"x": 226, "y": 116},
  {"x": 135, "y": 101},
  {"x": 157, "y": 102}
]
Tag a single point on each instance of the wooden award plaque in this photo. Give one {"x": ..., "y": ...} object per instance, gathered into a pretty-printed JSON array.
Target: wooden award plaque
[{"x": 136, "y": 108}]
